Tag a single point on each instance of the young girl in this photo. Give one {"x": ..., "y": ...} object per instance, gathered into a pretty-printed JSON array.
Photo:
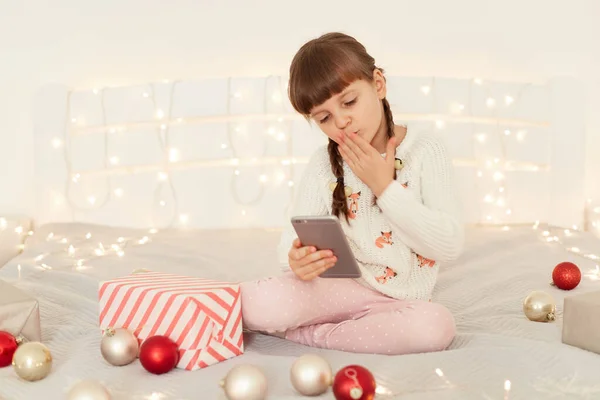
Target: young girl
[{"x": 393, "y": 192}]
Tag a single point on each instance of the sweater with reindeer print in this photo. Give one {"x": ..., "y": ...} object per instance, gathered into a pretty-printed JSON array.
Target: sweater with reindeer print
[{"x": 400, "y": 239}]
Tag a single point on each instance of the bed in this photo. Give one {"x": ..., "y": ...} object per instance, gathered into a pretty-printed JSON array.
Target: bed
[{"x": 167, "y": 174}]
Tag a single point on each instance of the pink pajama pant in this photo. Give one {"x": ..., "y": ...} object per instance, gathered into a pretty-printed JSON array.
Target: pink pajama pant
[{"x": 342, "y": 314}]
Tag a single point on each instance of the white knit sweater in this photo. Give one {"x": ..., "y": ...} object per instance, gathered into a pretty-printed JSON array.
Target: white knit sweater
[{"x": 401, "y": 242}]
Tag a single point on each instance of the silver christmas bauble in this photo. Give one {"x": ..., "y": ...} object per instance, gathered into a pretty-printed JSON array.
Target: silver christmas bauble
[
  {"x": 119, "y": 346},
  {"x": 539, "y": 306},
  {"x": 311, "y": 375},
  {"x": 88, "y": 390},
  {"x": 32, "y": 361},
  {"x": 245, "y": 382}
]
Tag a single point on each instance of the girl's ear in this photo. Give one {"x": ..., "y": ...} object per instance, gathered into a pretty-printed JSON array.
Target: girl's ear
[{"x": 380, "y": 85}]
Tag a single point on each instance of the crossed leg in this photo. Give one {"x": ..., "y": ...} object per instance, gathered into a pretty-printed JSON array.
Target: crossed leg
[{"x": 342, "y": 314}]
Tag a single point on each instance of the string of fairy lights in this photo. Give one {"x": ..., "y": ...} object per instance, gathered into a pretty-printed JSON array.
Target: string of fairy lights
[
  {"x": 277, "y": 124},
  {"x": 83, "y": 250}
]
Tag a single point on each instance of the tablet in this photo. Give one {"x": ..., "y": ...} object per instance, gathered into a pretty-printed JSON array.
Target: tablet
[{"x": 325, "y": 233}]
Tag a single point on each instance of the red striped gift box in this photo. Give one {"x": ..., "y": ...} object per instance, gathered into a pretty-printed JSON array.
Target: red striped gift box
[{"x": 202, "y": 316}]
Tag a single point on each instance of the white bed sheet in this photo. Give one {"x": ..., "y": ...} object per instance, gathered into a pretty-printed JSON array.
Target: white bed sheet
[{"x": 484, "y": 290}]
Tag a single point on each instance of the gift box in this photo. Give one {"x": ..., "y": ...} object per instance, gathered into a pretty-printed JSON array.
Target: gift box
[
  {"x": 19, "y": 313},
  {"x": 581, "y": 326},
  {"x": 203, "y": 317}
]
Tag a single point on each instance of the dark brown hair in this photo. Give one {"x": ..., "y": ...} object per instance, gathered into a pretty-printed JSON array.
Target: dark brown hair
[{"x": 322, "y": 68}]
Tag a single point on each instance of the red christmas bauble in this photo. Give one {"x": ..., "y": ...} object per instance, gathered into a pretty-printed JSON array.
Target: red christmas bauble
[
  {"x": 566, "y": 275},
  {"x": 354, "y": 382},
  {"x": 159, "y": 354},
  {"x": 8, "y": 346}
]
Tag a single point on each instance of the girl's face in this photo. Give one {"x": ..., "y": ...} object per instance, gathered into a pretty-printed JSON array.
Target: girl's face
[{"x": 357, "y": 109}]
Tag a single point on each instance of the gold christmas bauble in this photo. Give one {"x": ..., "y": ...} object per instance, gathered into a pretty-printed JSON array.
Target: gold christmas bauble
[
  {"x": 539, "y": 306},
  {"x": 32, "y": 361}
]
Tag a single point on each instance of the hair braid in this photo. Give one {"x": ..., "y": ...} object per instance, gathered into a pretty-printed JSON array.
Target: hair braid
[
  {"x": 340, "y": 203},
  {"x": 389, "y": 118}
]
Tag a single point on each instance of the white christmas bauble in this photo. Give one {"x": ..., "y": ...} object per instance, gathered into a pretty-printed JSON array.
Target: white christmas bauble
[
  {"x": 88, "y": 390},
  {"x": 311, "y": 375},
  {"x": 245, "y": 382},
  {"x": 119, "y": 346}
]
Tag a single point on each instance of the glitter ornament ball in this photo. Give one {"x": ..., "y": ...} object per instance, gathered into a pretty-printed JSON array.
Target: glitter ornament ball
[
  {"x": 245, "y": 382},
  {"x": 88, "y": 390},
  {"x": 159, "y": 354},
  {"x": 311, "y": 375},
  {"x": 539, "y": 306},
  {"x": 8, "y": 346},
  {"x": 566, "y": 275},
  {"x": 32, "y": 361},
  {"x": 119, "y": 346},
  {"x": 354, "y": 382}
]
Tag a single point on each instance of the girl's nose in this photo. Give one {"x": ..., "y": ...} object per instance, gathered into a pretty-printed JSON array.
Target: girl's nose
[{"x": 342, "y": 121}]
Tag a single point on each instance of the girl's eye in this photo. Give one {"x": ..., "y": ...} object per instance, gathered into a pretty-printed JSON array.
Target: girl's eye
[
  {"x": 349, "y": 103},
  {"x": 323, "y": 120}
]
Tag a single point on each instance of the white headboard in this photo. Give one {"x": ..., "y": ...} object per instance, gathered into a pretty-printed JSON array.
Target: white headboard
[{"x": 225, "y": 152}]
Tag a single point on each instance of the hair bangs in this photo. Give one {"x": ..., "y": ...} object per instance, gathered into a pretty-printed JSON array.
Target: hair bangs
[{"x": 320, "y": 72}]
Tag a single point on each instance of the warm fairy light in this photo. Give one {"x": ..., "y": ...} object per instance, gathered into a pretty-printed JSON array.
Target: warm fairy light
[
  {"x": 594, "y": 274},
  {"x": 507, "y": 386},
  {"x": 382, "y": 390},
  {"x": 173, "y": 155}
]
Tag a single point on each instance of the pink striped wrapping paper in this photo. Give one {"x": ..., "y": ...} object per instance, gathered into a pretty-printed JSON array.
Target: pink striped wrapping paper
[{"x": 202, "y": 316}]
